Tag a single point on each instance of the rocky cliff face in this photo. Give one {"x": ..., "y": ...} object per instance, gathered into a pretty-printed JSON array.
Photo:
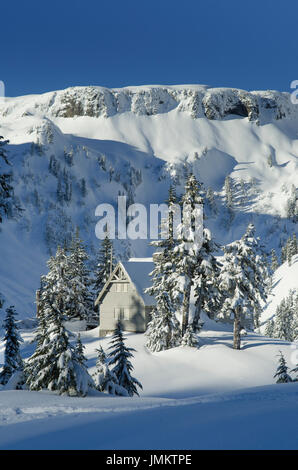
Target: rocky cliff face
[{"x": 198, "y": 101}]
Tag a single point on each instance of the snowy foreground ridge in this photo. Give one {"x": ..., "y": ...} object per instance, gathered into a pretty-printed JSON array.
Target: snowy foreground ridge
[{"x": 198, "y": 399}]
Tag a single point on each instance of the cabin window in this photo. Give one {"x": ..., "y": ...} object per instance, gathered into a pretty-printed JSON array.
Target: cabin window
[
  {"x": 121, "y": 313},
  {"x": 121, "y": 287},
  {"x": 117, "y": 313}
]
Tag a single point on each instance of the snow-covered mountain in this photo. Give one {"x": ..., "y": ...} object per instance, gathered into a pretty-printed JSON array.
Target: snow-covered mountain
[{"x": 76, "y": 148}]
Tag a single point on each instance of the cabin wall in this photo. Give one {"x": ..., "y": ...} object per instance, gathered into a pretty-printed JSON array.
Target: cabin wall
[{"x": 131, "y": 301}]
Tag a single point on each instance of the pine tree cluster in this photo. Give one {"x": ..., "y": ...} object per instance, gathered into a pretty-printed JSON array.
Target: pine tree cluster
[{"x": 285, "y": 323}]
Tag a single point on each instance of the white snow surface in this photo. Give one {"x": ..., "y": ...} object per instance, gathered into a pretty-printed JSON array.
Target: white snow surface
[{"x": 208, "y": 398}]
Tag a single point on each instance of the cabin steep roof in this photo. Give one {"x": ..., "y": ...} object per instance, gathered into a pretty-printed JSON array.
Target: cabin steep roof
[{"x": 138, "y": 270}]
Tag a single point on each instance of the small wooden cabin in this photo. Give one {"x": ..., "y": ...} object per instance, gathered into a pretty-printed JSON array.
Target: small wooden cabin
[{"x": 123, "y": 297}]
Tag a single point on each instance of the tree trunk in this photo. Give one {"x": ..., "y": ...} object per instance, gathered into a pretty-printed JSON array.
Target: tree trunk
[
  {"x": 197, "y": 315},
  {"x": 185, "y": 308},
  {"x": 237, "y": 339}
]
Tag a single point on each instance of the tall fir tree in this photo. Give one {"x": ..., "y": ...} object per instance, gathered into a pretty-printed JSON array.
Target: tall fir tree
[
  {"x": 104, "y": 379},
  {"x": 105, "y": 265},
  {"x": 56, "y": 364},
  {"x": 12, "y": 358},
  {"x": 269, "y": 330},
  {"x": 163, "y": 330},
  {"x": 206, "y": 292},
  {"x": 80, "y": 302},
  {"x": 242, "y": 282},
  {"x": 119, "y": 357},
  {"x": 189, "y": 241}
]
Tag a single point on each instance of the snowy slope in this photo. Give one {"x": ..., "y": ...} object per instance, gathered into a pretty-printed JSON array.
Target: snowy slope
[
  {"x": 129, "y": 141},
  {"x": 285, "y": 278},
  {"x": 213, "y": 397}
]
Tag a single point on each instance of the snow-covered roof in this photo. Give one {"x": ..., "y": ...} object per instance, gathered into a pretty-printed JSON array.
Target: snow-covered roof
[{"x": 138, "y": 270}]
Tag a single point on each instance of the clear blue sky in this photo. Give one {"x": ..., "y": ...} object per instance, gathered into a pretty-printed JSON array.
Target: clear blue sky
[{"x": 52, "y": 45}]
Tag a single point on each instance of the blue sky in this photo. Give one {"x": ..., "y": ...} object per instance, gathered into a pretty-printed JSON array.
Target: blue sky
[{"x": 52, "y": 45}]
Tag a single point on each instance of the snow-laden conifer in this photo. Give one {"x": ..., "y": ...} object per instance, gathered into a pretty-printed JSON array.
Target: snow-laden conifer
[
  {"x": 274, "y": 260},
  {"x": 283, "y": 322},
  {"x": 79, "y": 303},
  {"x": 119, "y": 357},
  {"x": 242, "y": 282},
  {"x": 105, "y": 265},
  {"x": 12, "y": 358},
  {"x": 269, "y": 330},
  {"x": 56, "y": 364},
  {"x": 163, "y": 331},
  {"x": 190, "y": 338},
  {"x": 105, "y": 380},
  {"x": 8, "y": 203},
  {"x": 282, "y": 371},
  {"x": 206, "y": 292},
  {"x": 188, "y": 245}
]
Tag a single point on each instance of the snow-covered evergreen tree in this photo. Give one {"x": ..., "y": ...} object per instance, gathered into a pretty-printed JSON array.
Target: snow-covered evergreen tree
[
  {"x": 105, "y": 265},
  {"x": 56, "y": 284},
  {"x": 12, "y": 357},
  {"x": 282, "y": 371},
  {"x": 210, "y": 198},
  {"x": 274, "y": 261},
  {"x": 269, "y": 330},
  {"x": 163, "y": 331},
  {"x": 8, "y": 204},
  {"x": 206, "y": 290},
  {"x": 119, "y": 357},
  {"x": 283, "y": 324},
  {"x": 56, "y": 364},
  {"x": 291, "y": 248},
  {"x": 286, "y": 317},
  {"x": 292, "y": 204},
  {"x": 188, "y": 245},
  {"x": 80, "y": 302},
  {"x": 242, "y": 282},
  {"x": 104, "y": 379},
  {"x": 190, "y": 338}
]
